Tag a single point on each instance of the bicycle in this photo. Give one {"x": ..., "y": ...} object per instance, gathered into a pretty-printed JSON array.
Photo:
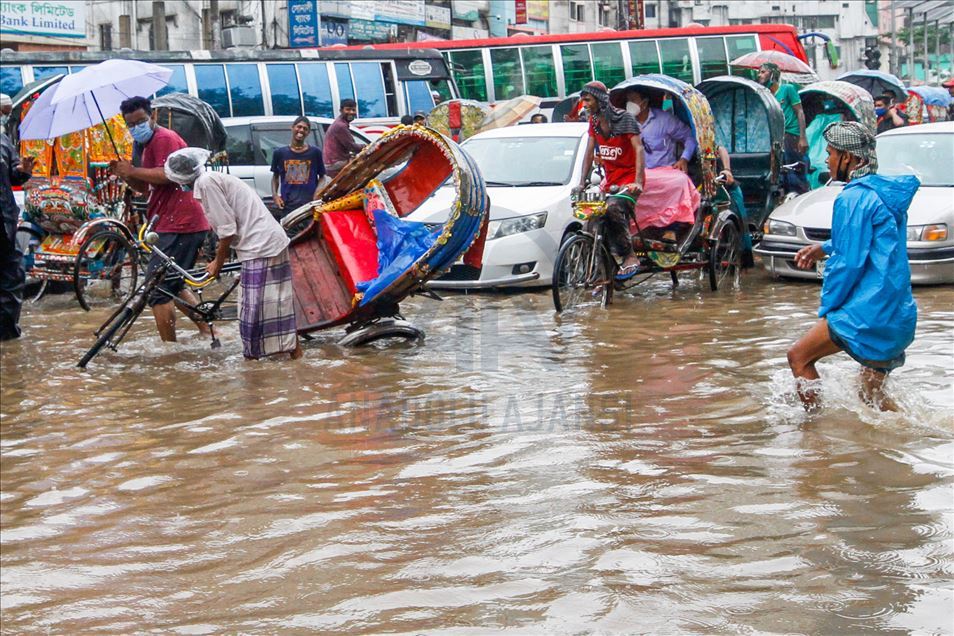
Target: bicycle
[{"x": 115, "y": 328}]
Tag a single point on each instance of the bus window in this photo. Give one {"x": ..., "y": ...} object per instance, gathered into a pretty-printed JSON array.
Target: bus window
[
  {"x": 508, "y": 79},
  {"x": 210, "y": 79},
  {"x": 345, "y": 86},
  {"x": 417, "y": 96},
  {"x": 712, "y": 60},
  {"x": 42, "y": 72},
  {"x": 390, "y": 93},
  {"x": 177, "y": 81},
  {"x": 284, "y": 86},
  {"x": 644, "y": 56},
  {"x": 676, "y": 62},
  {"x": 11, "y": 80},
  {"x": 468, "y": 70},
  {"x": 316, "y": 89},
  {"x": 739, "y": 45},
  {"x": 369, "y": 89},
  {"x": 246, "y": 89},
  {"x": 608, "y": 63},
  {"x": 443, "y": 88},
  {"x": 576, "y": 66},
  {"x": 76, "y": 69},
  {"x": 539, "y": 71}
]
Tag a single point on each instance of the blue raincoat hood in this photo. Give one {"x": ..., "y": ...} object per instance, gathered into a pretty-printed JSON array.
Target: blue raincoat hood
[{"x": 866, "y": 293}]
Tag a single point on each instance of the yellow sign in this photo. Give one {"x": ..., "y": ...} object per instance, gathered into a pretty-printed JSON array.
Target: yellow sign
[{"x": 538, "y": 9}]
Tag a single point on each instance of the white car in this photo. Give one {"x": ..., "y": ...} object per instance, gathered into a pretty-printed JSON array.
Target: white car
[
  {"x": 252, "y": 140},
  {"x": 529, "y": 172},
  {"x": 926, "y": 151}
]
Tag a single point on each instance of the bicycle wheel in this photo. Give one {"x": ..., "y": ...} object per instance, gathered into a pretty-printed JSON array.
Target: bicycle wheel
[
  {"x": 119, "y": 323},
  {"x": 725, "y": 256},
  {"x": 581, "y": 277},
  {"x": 106, "y": 269}
]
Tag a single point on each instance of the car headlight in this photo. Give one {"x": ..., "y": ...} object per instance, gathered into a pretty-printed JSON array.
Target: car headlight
[
  {"x": 778, "y": 227},
  {"x": 937, "y": 232},
  {"x": 507, "y": 227}
]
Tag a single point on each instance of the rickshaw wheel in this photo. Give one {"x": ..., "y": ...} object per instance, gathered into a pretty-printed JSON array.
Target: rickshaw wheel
[
  {"x": 725, "y": 255},
  {"x": 106, "y": 269},
  {"x": 574, "y": 284}
]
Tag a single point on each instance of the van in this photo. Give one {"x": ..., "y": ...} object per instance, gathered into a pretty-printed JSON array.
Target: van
[{"x": 252, "y": 140}]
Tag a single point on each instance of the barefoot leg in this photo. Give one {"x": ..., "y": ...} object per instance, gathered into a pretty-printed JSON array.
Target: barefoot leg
[
  {"x": 810, "y": 348},
  {"x": 872, "y": 390}
]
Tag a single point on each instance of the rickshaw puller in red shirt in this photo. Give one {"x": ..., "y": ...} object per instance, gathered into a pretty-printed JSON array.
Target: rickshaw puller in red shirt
[{"x": 614, "y": 134}]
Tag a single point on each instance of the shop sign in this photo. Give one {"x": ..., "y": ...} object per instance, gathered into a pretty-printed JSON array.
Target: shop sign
[
  {"x": 302, "y": 23},
  {"x": 368, "y": 31},
  {"x": 437, "y": 17},
  {"x": 62, "y": 19}
]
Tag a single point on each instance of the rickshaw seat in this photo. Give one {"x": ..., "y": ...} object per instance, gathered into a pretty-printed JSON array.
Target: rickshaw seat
[
  {"x": 354, "y": 244},
  {"x": 752, "y": 171}
]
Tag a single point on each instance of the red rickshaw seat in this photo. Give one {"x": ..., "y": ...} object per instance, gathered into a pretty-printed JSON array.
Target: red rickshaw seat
[{"x": 352, "y": 240}]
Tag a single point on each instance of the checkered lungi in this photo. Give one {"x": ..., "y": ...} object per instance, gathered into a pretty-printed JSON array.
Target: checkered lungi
[{"x": 267, "y": 313}]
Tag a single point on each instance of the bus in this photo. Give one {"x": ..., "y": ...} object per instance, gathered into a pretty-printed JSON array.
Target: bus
[
  {"x": 236, "y": 83},
  {"x": 555, "y": 66}
]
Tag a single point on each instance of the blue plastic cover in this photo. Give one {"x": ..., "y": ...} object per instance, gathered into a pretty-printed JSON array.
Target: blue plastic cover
[
  {"x": 933, "y": 95},
  {"x": 400, "y": 244},
  {"x": 866, "y": 293}
]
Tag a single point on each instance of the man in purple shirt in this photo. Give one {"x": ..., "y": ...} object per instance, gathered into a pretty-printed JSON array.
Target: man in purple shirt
[
  {"x": 660, "y": 130},
  {"x": 340, "y": 144}
]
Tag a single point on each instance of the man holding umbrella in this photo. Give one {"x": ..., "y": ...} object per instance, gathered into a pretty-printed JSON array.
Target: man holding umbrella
[{"x": 182, "y": 227}]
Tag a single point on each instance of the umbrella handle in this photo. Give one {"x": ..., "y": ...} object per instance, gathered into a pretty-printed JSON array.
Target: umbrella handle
[{"x": 106, "y": 126}]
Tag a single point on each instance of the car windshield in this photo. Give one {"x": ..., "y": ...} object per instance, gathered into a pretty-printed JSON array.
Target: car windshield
[
  {"x": 524, "y": 161},
  {"x": 925, "y": 155}
]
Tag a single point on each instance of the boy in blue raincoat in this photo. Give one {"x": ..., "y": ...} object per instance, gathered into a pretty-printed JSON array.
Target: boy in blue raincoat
[{"x": 867, "y": 309}]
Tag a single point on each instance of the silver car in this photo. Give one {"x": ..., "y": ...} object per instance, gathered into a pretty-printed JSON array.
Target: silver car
[{"x": 926, "y": 151}]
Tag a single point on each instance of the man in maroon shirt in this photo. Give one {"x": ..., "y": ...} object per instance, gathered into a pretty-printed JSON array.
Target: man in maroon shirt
[
  {"x": 182, "y": 226},
  {"x": 340, "y": 145}
]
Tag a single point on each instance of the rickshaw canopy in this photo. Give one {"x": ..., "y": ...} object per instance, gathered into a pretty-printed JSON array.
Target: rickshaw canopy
[
  {"x": 747, "y": 116},
  {"x": 194, "y": 120},
  {"x": 750, "y": 125},
  {"x": 690, "y": 106},
  {"x": 855, "y": 102}
]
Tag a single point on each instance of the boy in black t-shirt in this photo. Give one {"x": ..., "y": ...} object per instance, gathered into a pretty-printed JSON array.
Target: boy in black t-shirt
[{"x": 296, "y": 170}]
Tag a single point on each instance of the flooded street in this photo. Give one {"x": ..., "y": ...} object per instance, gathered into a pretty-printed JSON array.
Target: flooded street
[{"x": 646, "y": 468}]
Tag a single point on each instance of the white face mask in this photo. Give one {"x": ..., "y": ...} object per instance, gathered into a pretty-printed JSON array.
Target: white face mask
[{"x": 633, "y": 109}]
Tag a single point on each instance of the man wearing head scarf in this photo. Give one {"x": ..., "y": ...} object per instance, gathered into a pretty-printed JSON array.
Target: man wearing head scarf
[
  {"x": 796, "y": 142},
  {"x": 867, "y": 309},
  {"x": 243, "y": 223},
  {"x": 6, "y": 107},
  {"x": 614, "y": 133}
]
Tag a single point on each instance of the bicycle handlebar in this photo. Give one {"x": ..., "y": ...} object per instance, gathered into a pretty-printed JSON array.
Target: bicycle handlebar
[{"x": 148, "y": 239}]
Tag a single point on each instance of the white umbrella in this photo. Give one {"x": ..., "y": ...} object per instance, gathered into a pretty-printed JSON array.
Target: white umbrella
[{"x": 87, "y": 98}]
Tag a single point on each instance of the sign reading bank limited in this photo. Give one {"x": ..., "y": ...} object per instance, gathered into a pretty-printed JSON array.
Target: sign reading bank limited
[{"x": 50, "y": 18}]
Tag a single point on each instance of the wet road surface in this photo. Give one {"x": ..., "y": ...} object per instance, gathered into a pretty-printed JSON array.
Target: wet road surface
[{"x": 646, "y": 468}]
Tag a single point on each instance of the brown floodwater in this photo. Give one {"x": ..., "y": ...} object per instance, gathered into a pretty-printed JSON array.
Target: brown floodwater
[{"x": 646, "y": 468}]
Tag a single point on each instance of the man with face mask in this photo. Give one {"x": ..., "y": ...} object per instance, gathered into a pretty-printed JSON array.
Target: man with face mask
[
  {"x": 867, "y": 309},
  {"x": 889, "y": 117},
  {"x": 340, "y": 144},
  {"x": 661, "y": 131},
  {"x": 181, "y": 225},
  {"x": 796, "y": 142}
]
